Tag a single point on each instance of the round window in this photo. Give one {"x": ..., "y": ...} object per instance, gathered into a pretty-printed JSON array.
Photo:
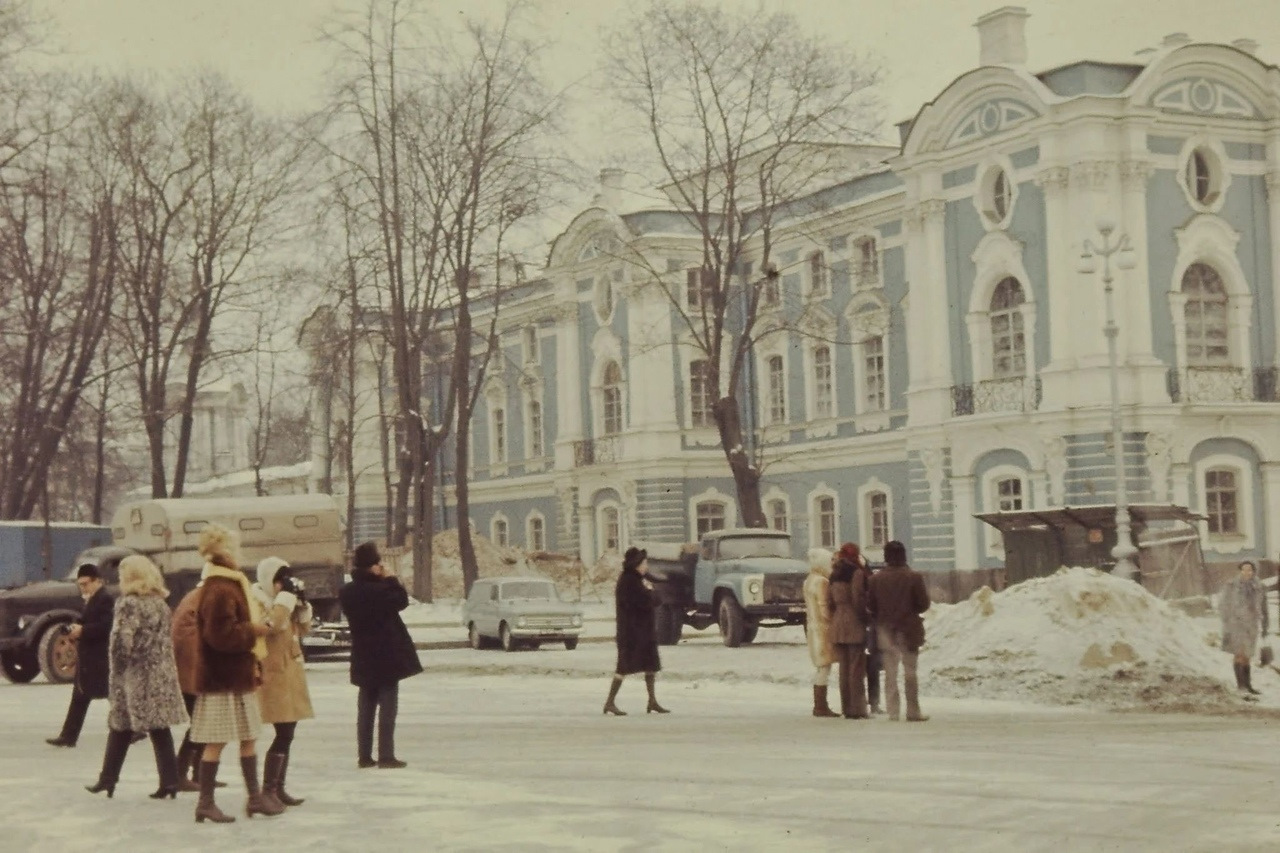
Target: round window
[
  {"x": 997, "y": 195},
  {"x": 1203, "y": 176}
]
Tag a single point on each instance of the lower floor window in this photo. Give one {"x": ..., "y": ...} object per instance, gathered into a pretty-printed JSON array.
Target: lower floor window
[
  {"x": 710, "y": 517},
  {"x": 500, "y": 532},
  {"x": 1221, "y": 501},
  {"x": 825, "y": 511},
  {"x": 878, "y": 518},
  {"x": 537, "y": 535},
  {"x": 778, "y": 515}
]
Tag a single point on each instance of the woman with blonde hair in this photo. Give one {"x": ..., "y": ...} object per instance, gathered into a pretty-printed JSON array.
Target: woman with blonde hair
[
  {"x": 143, "y": 680},
  {"x": 817, "y": 628},
  {"x": 227, "y": 667}
]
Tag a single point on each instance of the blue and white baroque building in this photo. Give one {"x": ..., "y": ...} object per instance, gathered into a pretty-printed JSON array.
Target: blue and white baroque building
[{"x": 971, "y": 372}]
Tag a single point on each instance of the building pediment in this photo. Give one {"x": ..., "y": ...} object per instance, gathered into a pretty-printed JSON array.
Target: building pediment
[
  {"x": 983, "y": 103},
  {"x": 1211, "y": 81}
]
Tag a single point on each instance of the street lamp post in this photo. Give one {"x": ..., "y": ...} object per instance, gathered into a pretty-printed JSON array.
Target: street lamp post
[{"x": 1124, "y": 550}]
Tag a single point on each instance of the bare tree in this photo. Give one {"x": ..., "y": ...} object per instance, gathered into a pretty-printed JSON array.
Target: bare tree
[{"x": 746, "y": 116}]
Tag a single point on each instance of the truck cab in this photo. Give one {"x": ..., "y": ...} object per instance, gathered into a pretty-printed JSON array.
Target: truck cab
[{"x": 739, "y": 579}]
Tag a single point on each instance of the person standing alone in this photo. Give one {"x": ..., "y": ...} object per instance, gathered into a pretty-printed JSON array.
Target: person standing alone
[
  {"x": 91, "y": 632},
  {"x": 896, "y": 598},
  {"x": 636, "y": 633},
  {"x": 382, "y": 652},
  {"x": 1243, "y": 605}
]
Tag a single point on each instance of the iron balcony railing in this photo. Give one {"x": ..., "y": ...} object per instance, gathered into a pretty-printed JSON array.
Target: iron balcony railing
[
  {"x": 1222, "y": 385},
  {"x": 1014, "y": 394}
]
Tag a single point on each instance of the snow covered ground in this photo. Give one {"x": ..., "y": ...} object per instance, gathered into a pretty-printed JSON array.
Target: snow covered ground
[{"x": 510, "y": 751}]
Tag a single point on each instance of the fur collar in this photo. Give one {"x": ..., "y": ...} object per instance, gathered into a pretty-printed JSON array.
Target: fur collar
[{"x": 257, "y": 614}]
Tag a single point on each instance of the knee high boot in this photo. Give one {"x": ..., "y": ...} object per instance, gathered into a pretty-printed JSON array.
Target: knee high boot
[
  {"x": 820, "y": 706},
  {"x": 188, "y": 766},
  {"x": 206, "y": 808},
  {"x": 1245, "y": 670},
  {"x": 277, "y": 767},
  {"x": 653, "y": 707},
  {"x": 112, "y": 761},
  {"x": 257, "y": 802}
]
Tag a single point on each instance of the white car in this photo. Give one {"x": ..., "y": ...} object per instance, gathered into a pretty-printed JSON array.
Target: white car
[{"x": 519, "y": 611}]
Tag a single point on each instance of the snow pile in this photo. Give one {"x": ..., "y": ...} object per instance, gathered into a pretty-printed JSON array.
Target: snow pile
[{"x": 1078, "y": 636}]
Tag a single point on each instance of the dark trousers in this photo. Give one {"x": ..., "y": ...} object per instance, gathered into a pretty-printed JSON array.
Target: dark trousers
[
  {"x": 852, "y": 658},
  {"x": 384, "y": 700},
  {"x": 874, "y": 666},
  {"x": 76, "y": 712}
]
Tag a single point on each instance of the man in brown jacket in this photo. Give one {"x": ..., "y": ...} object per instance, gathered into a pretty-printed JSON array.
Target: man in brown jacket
[{"x": 896, "y": 598}]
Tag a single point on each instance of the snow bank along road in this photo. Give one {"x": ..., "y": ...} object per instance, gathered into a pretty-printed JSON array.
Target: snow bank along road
[{"x": 511, "y": 751}]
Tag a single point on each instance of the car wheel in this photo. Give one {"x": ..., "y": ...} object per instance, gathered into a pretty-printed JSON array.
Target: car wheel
[
  {"x": 473, "y": 637},
  {"x": 571, "y": 643},
  {"x": 732, "y": 621},
  {"x": 504, "y": 634},
  {"x": 19, "y": 665},
  {"x": 56, "y": 654}
]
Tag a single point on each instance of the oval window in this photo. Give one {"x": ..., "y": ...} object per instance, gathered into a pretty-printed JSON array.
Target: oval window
[
  {"x": 306, "y": 521},
  {"x": 194, "y": 526},
  {"x": 252, "y": 524}
]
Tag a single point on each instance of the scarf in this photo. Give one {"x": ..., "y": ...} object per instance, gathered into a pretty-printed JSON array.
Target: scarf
[{"x": 256, "y": 612}]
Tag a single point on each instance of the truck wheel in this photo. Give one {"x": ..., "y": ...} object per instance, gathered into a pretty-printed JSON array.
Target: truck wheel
[
  {"x": 504, "y": 634},
  {"x": 19, "y": 665},
  {"x": 571, "y": 643},
  {"x": 668, "y": 624},
  {"x": 749, "y": 632},
  {"x": 56, "y": 654},
  {"x": 732, "y": 621}
]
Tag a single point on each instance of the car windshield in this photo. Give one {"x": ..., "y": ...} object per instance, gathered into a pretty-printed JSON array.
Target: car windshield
[
  {"x": 537, "y": 590},
  {"x": 754, "y": 546}
]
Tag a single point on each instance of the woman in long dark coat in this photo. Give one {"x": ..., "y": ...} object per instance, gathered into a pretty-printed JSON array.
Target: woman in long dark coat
[
  {"x": 637, "y": 637},
  {"x": 382, "y": 652}
]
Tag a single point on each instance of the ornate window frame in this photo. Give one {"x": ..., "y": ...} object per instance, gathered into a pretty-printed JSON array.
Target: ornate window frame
[
  {"x": 821, "y": 491},
  {"x": 499, "y": 434},
  {"x": 500, "y": 519},
  {"x": 606, "y": 348},
  {"x": 529, "y": 520},
  {"x": 997, "y": 257},
  {"x": 993, "y": 545},
  {"x": 1211, "y": 241},
  {"x": 988, "y": 198},
  {"x": 774, "y": 343},
  {"x": 711, "y": 495},
  {"x": 868, "y": 316},
  {"x": 1214, "y": 157},
  {"x": 602, "y": 510},
  {"x": 531, "y": 393},
  {"x": 865, "y": 524},
  {"x": 777, "y": 495},
  {"x": 1246, "y": 538}
]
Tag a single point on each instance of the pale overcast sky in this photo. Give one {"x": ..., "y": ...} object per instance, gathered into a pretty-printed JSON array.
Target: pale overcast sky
[{"x": 270, "y": 47}]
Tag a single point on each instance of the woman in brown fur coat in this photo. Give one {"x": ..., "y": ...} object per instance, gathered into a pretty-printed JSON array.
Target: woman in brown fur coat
[{"x": 227, "y": 674}]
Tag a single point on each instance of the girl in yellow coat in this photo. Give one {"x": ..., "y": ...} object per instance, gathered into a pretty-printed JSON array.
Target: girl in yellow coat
[{"x": 817, "y": 628}]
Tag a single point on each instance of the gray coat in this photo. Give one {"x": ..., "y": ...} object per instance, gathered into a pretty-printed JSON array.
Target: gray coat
[
  {"x": 1243, "y": 605},
  {"x": 144, "y": 690}
]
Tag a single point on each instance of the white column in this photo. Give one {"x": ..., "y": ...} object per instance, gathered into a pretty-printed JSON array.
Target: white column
[
  {"x": 1271, "y": 508},
  {"x": 963, "y": 521},
  {"x": 928, "y": 329},
  {"x": 1061, "y": 286},
  {"x": 1133, "y": 285},
  {"x": 586, "y": 532},
  {"x": 569, "y": 378},
  {"x": 1273, "y": 222}
]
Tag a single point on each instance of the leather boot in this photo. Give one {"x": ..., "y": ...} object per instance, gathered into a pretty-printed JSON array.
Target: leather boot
[
  {"x": 820, "y": 706},
  {"x": 609, "y": 707},
  {"x": 653, "y": 707},
  {"x": 277, "y": 766},
  {"x": 1248, "y": 679},
  {"x": 188, "y": 766},
  {"x": 257, "y": 803},
  {"x": 1235, "y": 667},
  {"x": 112, "y": 762},
  {"x": 205, "y": 806}
]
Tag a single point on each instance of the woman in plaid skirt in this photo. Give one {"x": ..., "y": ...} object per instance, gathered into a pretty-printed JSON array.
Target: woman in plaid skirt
[{"x": 231, "y": 629}]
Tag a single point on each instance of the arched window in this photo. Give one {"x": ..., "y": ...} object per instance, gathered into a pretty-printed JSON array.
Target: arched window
[
  {"x": 610, "y": 529},
  {"x": 611, "y": 398},
  {"x": 535, "y": 533},
  {"x": 535, "y": 429},
  {"x": 499, "y": 531},
  {"x": 710, "y": 517},
  {"x": 1008, "y": 344},
  {"x": 777, "y": 510},
  {"x": 1205, "y": 317},
  {"x": 873, "y": 380},
  {"x": 499, "y": 426},
  {"x": 877, "y": 518}
]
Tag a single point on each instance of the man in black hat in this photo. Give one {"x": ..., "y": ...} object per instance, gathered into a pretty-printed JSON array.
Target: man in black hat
[{"x": 91, "y": 633}]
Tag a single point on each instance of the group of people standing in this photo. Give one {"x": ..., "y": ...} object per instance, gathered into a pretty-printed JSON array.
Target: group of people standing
[
  {"x": 227, "y": 660},
  {"x": 861, "y": 621}
]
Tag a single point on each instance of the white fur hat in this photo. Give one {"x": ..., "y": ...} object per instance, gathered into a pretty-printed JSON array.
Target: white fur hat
[{"x": 267, "y": 569}]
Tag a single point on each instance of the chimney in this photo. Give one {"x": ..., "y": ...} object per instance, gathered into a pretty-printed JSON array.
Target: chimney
[
  {"x": 610, "y": 195},
  {"x": 1249, "y": 46},
  {"x": 1002, "y": 37},
  {"x": 1175, "y": 40}
]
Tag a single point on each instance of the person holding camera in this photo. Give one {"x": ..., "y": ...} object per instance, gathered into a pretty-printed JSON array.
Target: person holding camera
[
  {"x": 382, "y": 652},
  {"x": 283, "y": 695}
]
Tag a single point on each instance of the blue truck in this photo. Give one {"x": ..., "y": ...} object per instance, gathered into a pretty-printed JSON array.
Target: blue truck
[{"x": 739, "y": 579}]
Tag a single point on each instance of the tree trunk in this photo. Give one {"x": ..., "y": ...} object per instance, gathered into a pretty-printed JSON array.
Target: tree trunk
[
  {"x": 462, "y": 509},
  {"x": 746, "y": 478},
  {"x": 424, "y": 529}
]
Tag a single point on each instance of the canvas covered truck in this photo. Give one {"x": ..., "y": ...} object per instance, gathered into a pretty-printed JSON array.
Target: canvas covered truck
[
  {"x": 740, "y": 580},
  {"x": 305, "y": 530}
]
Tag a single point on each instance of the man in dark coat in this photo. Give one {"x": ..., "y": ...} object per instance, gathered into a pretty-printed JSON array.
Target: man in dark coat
[
  {"x": 382, "y": 652},
  {"x": 91, "y": 633},
  {"x": 636, "y": 635},
  {"x": 897, "y": 596}
]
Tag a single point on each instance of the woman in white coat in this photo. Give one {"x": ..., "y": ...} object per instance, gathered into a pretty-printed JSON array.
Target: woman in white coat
[{"x": 817, "y": 627}]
